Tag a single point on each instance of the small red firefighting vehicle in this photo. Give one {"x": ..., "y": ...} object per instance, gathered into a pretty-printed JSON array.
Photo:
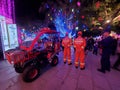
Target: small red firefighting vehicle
[{"x": 32, "y": 56}]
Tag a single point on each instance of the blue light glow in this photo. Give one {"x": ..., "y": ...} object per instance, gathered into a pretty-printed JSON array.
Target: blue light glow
[
  {"x": 64, "y": 24},
  {"x": 77, "y": 28},
  {"x": 70, "y": 1},
  {"x": 84, "y": 27}
]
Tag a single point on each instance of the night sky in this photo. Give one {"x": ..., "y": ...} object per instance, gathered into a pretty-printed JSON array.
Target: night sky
[
  {"x": 26, "y": 7},
  {"x": 29, "y": 8}
]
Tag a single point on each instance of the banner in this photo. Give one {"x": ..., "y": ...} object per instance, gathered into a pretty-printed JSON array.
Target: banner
[{"x": 13, "y": 36}]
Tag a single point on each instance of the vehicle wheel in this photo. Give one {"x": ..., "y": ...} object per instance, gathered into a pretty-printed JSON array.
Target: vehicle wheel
[
  {"x": 31, "y": 73},
  {"x": 54, "y": 61},
  {"x": 18, "y": 69}
]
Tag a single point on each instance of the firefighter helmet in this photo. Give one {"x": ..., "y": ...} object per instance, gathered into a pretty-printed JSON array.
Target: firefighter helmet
[
  {"x": 79, "y": 33},
  {"x": 66, "y": 34}
]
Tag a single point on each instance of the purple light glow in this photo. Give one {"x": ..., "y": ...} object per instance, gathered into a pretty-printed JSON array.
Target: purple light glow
[
  {"x": 78, "y": 3},
  {"x": 7, "y": 10}
]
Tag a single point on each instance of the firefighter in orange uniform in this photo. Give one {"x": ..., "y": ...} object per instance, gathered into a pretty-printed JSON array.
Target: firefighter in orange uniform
[
  {"x": 79, "y": 45},
  {"x": 66, "y": 43}
]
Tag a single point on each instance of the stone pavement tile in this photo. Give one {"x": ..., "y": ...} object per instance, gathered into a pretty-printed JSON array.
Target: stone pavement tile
[
  {"x": 41, "y": 83},
  {"x": 15, "y": 87},
  {"x": 74, "y": 74},
  {"x": 61, "y": 65},
  {"x": 16, "y": 79},
  {"x": 35, "y": 85},
  {"x": 9, "y": 83},
  {"x": 24, "y": 86},
  {"x": 115, "y": 87},
  {"x": 113, "y": 79},
  {"x": 45, "y": 77},
  {"x": 50, "y": 73},
  {"x": 100, "y": 81},
  {"x": 6, "y": 85},
  {"x": 7, "y": 76},
  {"x": 4, "y": 63},
  {"x": 53, "y": 84},
  {"x": 87, "y": 72},
  {"x": 62, "y": 73},
  {"x": 100, "y": 88},
  {"x": 84, "y": 83},
  {"x": 63, "y": 77},
  {"x": 6, "y": 69},
  {"x": 69, "y": 84}
]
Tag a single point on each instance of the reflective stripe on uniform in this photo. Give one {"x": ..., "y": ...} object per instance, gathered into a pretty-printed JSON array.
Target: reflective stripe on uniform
[
  {"x": 69, "y": 60},
  {"x": 82, "y": 47},
  {"x": 64, "y": 59},
  {"x": 76, "y": 62},
  {"x": 82, "y": 63}
]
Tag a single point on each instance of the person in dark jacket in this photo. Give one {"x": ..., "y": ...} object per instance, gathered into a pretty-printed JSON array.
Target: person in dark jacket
[
  {"x": 90, "y": 43},
  {"x": 95, "y": 48},
  {"x": 106, "y": 52},
  {"x": 114, "y": 46},
  {"x": 117, "y": 63}
]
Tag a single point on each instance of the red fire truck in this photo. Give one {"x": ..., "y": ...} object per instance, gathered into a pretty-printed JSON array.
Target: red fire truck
[{"x": 32, "y": 56}]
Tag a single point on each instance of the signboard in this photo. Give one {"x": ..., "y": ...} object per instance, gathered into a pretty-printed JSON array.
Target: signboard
[
  {"x": 13, "y": 36},
  {"x": 4, "y": 35}
]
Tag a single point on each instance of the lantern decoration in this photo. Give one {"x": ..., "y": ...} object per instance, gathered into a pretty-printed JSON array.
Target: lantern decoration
[
  {"x": 100, "y": 19},
  {"x": 97, "y": 4},
  {"x": 82, "y": 16}
]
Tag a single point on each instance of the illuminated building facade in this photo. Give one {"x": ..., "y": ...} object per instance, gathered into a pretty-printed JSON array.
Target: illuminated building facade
[{"x": 7, "y": 10}]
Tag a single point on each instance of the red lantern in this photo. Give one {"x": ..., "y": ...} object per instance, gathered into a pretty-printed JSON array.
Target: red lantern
[
  {"x": 100, "y": 19},
  {"x": 82, "y": 16},
  {"x": 97, "y": 4}
]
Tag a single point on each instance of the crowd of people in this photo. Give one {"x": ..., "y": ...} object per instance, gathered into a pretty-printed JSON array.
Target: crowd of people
[{"x": 106, "y": 46}]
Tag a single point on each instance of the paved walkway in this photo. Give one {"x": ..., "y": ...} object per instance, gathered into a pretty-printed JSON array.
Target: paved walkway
[{"x": 63, "y": 77}]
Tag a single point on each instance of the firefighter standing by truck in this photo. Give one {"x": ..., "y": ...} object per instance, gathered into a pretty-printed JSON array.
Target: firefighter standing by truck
[
  {"x": 66, "y": 43},
  {"x": 79, "y": 45}
]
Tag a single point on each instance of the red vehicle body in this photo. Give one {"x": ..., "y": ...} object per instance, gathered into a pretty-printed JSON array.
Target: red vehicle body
[{"x": 30, "y": 60}]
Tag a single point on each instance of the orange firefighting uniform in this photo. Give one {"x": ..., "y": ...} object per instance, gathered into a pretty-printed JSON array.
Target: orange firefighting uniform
[
  {"x": 66, "y": 43},
  {"x": 79, "y": 45}
]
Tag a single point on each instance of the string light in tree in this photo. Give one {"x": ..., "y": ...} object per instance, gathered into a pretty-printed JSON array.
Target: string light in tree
[
  {"x": 78, "y": 4},
  {"x": 73, "y": 10},
  {"x": 76, "y": 28},
  {"x": 48, "y": 14}
]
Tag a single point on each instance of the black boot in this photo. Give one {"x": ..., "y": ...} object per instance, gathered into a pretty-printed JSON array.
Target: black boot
[{"x": 100, "y": 70}]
